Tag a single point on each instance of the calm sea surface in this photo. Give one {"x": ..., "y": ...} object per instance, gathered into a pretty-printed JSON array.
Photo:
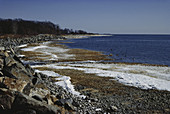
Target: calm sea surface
[{"x": 151, "y": 49}]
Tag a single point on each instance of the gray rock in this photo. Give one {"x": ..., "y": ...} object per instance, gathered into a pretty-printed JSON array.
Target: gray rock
[
  {"x": 43, "y": 76},
  {"x": 60, "y": 102},
  {"x": 60, "y": 96},
  {"x": 27, "y": 89},
  {"x": 37, "y": 98},
  {"x": 12, "y": 50},
  {"x": 30, "y": 70},
  {"x": 2, "y": 48},
  {"x": 23, "y": 102},
  {"x": 34, "y": 81},
  {"x": 37, "y": 75},
  {"x": 26, "y": 111},
  {"x": 113, "y": 108},
  {"x": 94, "y": 99},
  {"x": 67, "y": 103},
  {"x": 69, "y": 106},
  {"x": 2, "y": 85},
  {"x": 76, "y": 104},
  {"x": 1, "y": 63},
  {"x": 15, "y": 69},
  {"x": 9, "y": 61},
  {"x": 6, "y": 101}
]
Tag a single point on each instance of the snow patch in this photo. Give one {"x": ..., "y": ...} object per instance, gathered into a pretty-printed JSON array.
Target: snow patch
[
  {"x": 54, "y": 52},
  {"x": 24, "y": 45},
  {"x": 63, "y": 81},
  {"x": 49, "y": 73},
  {"x": 34, "y": 48},
  {"x": 149, "y": 77},
  {"x": 21, "y": 55}
]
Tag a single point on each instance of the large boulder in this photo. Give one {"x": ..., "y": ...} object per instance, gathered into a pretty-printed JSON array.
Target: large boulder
[
  {"x": 6, "y": 99},
  {"x": 13, "y": 84},
  {"x": 23, "y": 102},
  {"x": 24, "y": 91},
  {"x": 14, "y": 68},
  {"x": 67, "y": 103}
]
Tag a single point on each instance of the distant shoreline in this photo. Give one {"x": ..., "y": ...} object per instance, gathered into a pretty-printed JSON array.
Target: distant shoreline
[{"x": 82, "y": 36}]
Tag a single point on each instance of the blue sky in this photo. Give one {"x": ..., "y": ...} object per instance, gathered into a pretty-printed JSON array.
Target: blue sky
[{"x": 102, "y": 16}]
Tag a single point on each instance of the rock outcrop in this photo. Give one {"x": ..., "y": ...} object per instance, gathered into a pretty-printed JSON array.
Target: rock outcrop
[
  {"x": 21, "y": 89},
  {"x": 13, "y": 42}
]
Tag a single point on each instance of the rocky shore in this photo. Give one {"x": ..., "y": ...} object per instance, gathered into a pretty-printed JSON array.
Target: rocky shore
[
  {"x": 13, "y": 42},
  {"x": 22, "y": 90}
]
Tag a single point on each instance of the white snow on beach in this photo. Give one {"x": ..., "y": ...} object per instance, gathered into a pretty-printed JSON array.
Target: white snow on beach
[
  {"x": 24, "y": 45},
  {"x": 145, "y": 77},
  {"x": 63, "y": 81},
  {"x": 54, "y": 52},
  {"x": 34, "y": 48},
  {"x": 83, "y": 36}
]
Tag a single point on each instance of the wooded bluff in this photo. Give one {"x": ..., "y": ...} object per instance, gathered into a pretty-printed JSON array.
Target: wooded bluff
[{"x": 27, "y": 27}]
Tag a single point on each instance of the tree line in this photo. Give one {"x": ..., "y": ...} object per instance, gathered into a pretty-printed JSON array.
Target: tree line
[{"x": 25, "y": 27}]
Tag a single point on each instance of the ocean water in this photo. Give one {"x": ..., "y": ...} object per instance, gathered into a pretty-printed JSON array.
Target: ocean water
[
  {"x": 150, "y": 49},
  {"x": 125, "y": 48}
]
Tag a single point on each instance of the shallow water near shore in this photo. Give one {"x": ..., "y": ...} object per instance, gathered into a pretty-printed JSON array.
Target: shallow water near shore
[{"x": 148, "y": 49}]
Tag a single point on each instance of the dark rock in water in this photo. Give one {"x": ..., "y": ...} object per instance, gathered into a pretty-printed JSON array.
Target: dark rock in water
[{"x": 23, "y": 102}]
